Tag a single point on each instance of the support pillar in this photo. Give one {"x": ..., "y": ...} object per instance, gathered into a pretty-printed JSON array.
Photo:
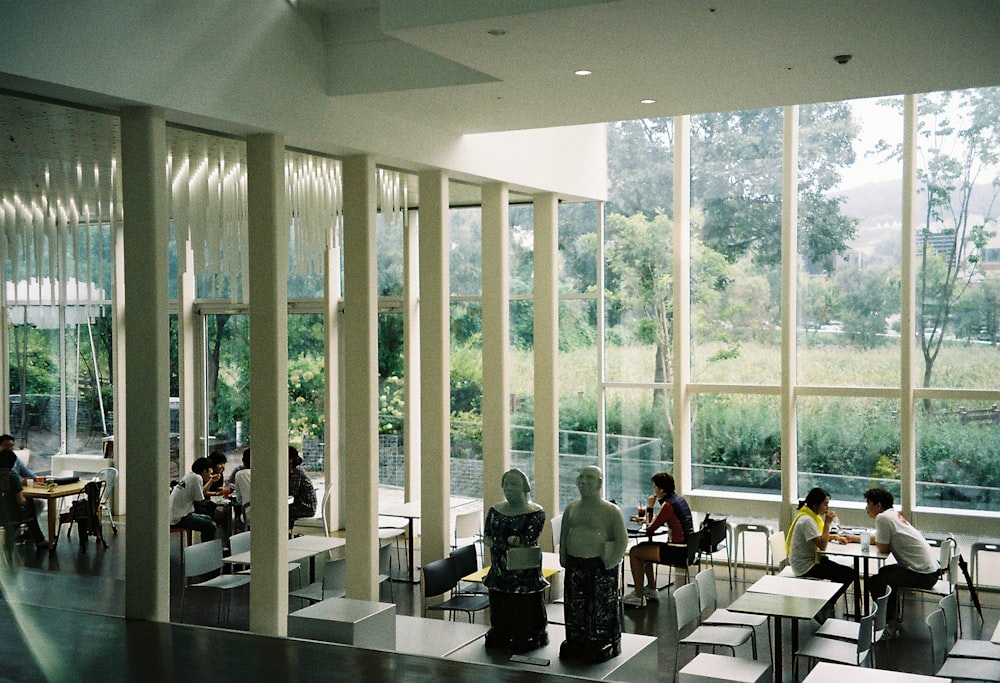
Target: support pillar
[{"x": 546, "y": 333}]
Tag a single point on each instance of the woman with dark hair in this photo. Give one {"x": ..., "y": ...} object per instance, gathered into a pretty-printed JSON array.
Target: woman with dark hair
[
  {"x": 675, "y": 513},
  {"x": 809, "y": 534}
]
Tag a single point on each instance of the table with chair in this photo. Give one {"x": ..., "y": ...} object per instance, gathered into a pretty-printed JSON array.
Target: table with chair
[
  {"x": 299, "y": 548},
  {"x": 826, "y": 672},
  {"x": 206, "y": 558},
  {"x": 862, "y": 559},
  {"x": 52, "y": 493},
  {"x": 784, "y": 597},
  {"x": 440, "y": 579}
]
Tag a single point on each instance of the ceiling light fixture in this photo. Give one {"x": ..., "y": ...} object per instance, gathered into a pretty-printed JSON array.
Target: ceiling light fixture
[
  {"x": 582, "y": 72},
  {"x": 497, "y": 32},
  {"x": 647, "y": 100}
]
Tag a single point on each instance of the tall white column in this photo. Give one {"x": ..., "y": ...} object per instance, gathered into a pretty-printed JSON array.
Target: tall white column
[
  {"x": 147, "y": 363},
  {"x": 435, "y": 367},
  {"x": 682, "y": 303},
  {"x": 546, "y": 334},
  {"x": 268, "y": 262},
  {"x": 411, "y": 356},
  {"x": 496, "y": 340},
  {"x": 332, "y": 399},
  {"x": 361, "y": 377},
  {"x": 789, "y": 318},
  {"x": 187, "y": 344},
  {"x": 908, "y": 313}
]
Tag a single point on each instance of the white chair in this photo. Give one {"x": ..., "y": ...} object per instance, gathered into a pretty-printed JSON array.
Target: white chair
[
  {"x": 710, "y": 668},
  {"x": 556, "y": 524},
  {"x": 385, "y": 566},
  {"x": 778, "y": 555},
  {"x": 843, "y": 629},
  {"x": 206, "y": 558},
  {"x": 708, "y": 602},
  {"x": 956, "y": 668},
  {"x": 823, "y": 649},
  {"x": 963, "y": 647},
  {"x": 109, "y": 475},
  {"x": 741, "y": 530},
  {"x": 323, "y": 521},
  {"x": 240, "y": 543},
  {"x": 468, "y": 530},
  {"x": 332, "y": 585},
  {"x": 687, "y": 612},
  {"x": 948, "y": 583}
]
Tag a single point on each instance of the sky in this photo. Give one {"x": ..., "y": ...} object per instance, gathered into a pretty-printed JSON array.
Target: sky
[{"x": 877, "y": 122}]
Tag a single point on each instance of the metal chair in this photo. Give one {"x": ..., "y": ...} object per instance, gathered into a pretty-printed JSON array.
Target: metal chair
[
  {"x": 955, "y": 668},
  {"x": 963, "y": 647},
  {"x": 240, "y": 543},
  {"x": 693, "y": 557},
  {"x": 109, "y": 475},
  {"x": 715, "y": 537},
  {"x": 740, "y": 530},
  {"x": 843, "y": 629},
  {"x": 974, "y": 551},
  {"x": 708, "y": 601},
  {"x": 778, "y": 557},
  {"x": 468, "y": 530},
  {"x": 947, "y": 584},
  {"x": 854, "y": 653},
  {"x": 439, "y": 578},
  {"x": 333, "y": 584},
  {"x": 206, "y": 558},
  {"x": 688, "y": 614}
]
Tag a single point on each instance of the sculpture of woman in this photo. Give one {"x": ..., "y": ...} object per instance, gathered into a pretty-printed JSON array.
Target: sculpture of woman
[{"x": 517, "y": 605}]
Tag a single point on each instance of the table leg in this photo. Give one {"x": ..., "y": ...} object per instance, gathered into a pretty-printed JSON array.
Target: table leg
[
  {"x": 776, "y": 663},
  {"x": 857, "y": 587},
  {"x": 410, "y": 553},
  {"x": 53, "y": 523},
  {"x": 867, "y": 597}
]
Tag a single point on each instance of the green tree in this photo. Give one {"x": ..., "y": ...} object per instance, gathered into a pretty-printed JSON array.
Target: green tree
[
  {"x": 867, "y": 299},
  {"x": 640, "y": 169},
  {"x": 977, "y": 313}
]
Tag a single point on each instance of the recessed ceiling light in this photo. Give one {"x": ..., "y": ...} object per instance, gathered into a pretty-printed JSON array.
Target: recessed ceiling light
[
  {"x": 497, "y": 32},
  {"x": 582, "y": 72},
  {"x": 647, "y": 100}
]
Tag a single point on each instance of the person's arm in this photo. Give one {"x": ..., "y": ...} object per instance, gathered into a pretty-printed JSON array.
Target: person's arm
[
  {"x": 664, "y": 516},
  {"x": 23, "y": 471},
  {"x": 614, "y": 550},
  {"x": 823, "y": 539},
  {"x": 883, "y": 529}
]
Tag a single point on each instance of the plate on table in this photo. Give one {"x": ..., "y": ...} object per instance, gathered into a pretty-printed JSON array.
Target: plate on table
[{"x": 219, "y": 500}]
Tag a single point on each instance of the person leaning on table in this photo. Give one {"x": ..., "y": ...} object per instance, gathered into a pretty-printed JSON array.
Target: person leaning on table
[
  {"x": 916, "y": 566},
  {"x": 807, "y": 536}
]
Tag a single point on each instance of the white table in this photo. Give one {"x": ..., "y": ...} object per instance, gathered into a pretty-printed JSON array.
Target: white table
[
  {"x": 299, "y": 548},
  {"x": 352, "y": 622},
  {"x": 409, "y": 511},
  {"x": 827, "y": 672},
  {"x": 781, "y": 597},
  {"x": 996, "y": 635},
  {"x": 434, "y": 637},
  {"x": 854, "y": 551},
  {"x": 79, "y": 462}
]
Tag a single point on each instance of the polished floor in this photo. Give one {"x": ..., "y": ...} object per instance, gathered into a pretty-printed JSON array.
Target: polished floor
[{"x": 46, "y": 633}]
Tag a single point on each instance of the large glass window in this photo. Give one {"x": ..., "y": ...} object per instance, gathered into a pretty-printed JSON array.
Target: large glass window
[{"x": 736, "y": 443}]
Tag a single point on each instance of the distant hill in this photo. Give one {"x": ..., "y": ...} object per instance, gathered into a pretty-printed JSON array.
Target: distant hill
[{"x": 881, "y": 203}]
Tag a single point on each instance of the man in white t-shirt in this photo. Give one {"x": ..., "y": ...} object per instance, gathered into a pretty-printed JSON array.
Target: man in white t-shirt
[
  {"x": 916, "y": 566},
  {"x": 186, "y": 492}
]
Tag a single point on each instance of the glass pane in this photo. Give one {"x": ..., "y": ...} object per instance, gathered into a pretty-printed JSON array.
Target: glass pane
[
  {"x": 959, "y": 188},
  {"x": 391, "y": 403},
  {"x": 736, "y": 160},
  {"x": 466, "y": 399},
  {"x": 306, "y": 389},
  {"x": 849, "y": 243},
  {"x": 227, "y": 378},
  {"x": 390, "y": 254},
  {"x": 522, "y": 249},
  {"x": 34, "y": 391},
  {"x": 578, "y": 247},
  {"x": 639, "y": 442},
  {"x": 848, "y": 445},
  {"x": 958, "y": 454},
  {"x": 466, "y": 257},
  {"x": 736, "y": 443}
]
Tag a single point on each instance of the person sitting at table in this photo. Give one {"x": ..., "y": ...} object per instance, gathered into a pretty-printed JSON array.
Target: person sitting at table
[
  {"x": 15, "y": 508},
  {"x": 916, "y": 566},
  {"x": 20, "y": 469},
  {"x": 517, "y": 587},
  {"x": 189, "y": 490},
  {"x": 675, "y": 513},
  {"x": 807, "y": 536},
  {"x": 241, "y": 484},
  {"x": 300, "y": 489}
]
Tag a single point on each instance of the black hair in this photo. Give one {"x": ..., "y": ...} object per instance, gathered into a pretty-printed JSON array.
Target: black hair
[
  {"x": 200, "y": 465},
  {"x": 879, "y": 496},
  {"x": 246, "y": 457},
  {"x": 218, "y": 458},
  {"x": 814, "y": 498},
  {"x": 665, "y": 482},
  {"x": 7, "y": 458},
  {"x": 293, "y": 456}
]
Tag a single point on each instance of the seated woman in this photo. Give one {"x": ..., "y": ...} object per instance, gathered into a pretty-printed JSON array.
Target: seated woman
[
  {"x": 517, "y": 606},
  {"x": 676, "y": 514},
  {"x": 809, "y": 534}
]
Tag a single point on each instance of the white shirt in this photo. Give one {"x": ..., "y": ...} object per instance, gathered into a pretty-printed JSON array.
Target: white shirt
[
  {"x": 802, "y": 550},
  {"x": 185, "y": 493},
  {"x": 910, "y": 549}
]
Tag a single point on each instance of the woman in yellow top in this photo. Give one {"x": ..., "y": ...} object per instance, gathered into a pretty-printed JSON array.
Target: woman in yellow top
[{"x": 809, "y": 534}]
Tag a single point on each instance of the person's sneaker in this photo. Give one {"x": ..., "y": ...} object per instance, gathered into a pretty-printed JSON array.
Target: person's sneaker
[
  {"x": 633, "y": 600},
  {"x": 892, "y": 632},
  {"x": 650, "y": 594}
]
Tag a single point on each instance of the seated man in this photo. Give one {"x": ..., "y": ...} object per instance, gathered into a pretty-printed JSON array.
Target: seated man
[
  {"x": 20, "y": 469},
  {"x": 300, "y": 489},
  {"x": 192, "y": 488},
  {"x": 15, "y": 508}
]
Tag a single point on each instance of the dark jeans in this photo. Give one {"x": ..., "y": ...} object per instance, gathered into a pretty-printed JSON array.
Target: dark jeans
[
  {"x": 833, "y": 571},
  {"x": 197, "y": 522},
  {"x": 898, "y": 577}
]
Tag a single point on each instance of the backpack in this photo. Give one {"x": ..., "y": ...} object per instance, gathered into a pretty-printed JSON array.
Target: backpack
[{"x": 86, "y": 512}]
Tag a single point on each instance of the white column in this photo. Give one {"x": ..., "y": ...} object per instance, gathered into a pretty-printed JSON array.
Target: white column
[
  {"x": 435, "y": 367},
  {"x": 187, "y": 344},
  {"x": 908, "y": 313},
  {"x": 411, "y": 356},
  {"x": 332, "y": 400},
  {"x": 118, "y": 361},
  {"x": 147, "y": 363},
  {"x": 496, "y": 340},
  {"x": 789, "y": 319},
  {"x": 268, "y": 262},
  {"x": 546, "y": 334},
  {"x": 682, "y": 303},
  {"x": 361, "y": 377}
]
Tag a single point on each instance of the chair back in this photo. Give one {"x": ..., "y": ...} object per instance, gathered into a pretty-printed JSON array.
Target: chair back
[
  {"x": 385, "y": 558},
  {"x": 939, "y": 637},
  {"x": 717, "y": 535},
  {"x": 556, "y": 532},
  {"x": 439, "y": 577},
  {"x": 694, "y": 547},
  {"x": 949, "y": 605},
  {"x": 8, "y": 497},
  {"x": 466, "y": 560},
  {"x": 778, "y": 553},
  {"x": 468, "y": 526},
  {"x": 203, "y": 558},
  {"x": 865, "y": 633},
  {"x": 707, "y": 598},
  {"x": 325, "y": 508},
  {"x": 109, "y": 475},
  {"x": 881, "y": 613},
  {"x": 239, "y": 543},
  {"x": 686, "y": 606},
  {"x": 335, "y": 576}
]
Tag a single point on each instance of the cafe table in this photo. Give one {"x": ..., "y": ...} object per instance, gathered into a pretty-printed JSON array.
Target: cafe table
[
  {"x": 857, "y": 554},
  {"x": 51, "y": 493},
  {"x": 785, "y": 597},
  {"x": 828, "y": 672},
  {"x": 299, "y": 548},
  {"x": 550, "y": 567},
  {"x": 409, "y": 511}
]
